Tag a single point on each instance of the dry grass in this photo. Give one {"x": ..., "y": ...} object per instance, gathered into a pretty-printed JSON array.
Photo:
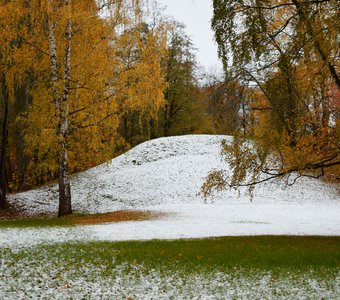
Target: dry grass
[
  {"x": 113, "y": 217},
  {"x": 13, "y": 213},
  {"x": 13, "y": 218}
]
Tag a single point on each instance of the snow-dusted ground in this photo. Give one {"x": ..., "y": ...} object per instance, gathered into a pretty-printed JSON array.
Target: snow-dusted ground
[
  {"x": 46, "y": 280},
  {"x": 165, "y": 175}
]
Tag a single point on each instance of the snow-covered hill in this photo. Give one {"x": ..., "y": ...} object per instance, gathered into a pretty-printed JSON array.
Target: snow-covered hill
[
  {"x": 166, "y": 175},
  {"x": 161, "y": 172}
]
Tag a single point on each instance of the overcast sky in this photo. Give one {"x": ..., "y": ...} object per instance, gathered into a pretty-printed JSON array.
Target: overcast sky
[{"x": 196, "y": 15}]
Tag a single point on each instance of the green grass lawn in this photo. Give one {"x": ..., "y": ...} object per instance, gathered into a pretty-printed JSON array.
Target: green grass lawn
[{"x": 275, "y": 267}]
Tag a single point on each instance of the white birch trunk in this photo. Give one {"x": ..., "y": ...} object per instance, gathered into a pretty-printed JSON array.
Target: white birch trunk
[{"x": 62, "y": 113}]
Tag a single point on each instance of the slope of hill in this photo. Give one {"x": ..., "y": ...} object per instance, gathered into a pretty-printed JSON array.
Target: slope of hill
[{"x": 165, "y": 175}]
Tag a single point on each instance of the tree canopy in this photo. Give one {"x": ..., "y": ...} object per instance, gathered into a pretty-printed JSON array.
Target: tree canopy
[{"x": 288, "y": 52}]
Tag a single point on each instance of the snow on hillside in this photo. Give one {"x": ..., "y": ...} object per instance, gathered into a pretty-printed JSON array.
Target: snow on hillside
[{"x": 166, "y": 175}]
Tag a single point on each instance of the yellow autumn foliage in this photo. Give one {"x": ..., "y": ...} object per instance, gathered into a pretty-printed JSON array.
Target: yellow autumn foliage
[{"x": 105, "y": 81}]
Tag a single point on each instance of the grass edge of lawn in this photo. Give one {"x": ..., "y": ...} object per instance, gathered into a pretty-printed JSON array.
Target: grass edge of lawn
[{"x": 248, "y": 251}]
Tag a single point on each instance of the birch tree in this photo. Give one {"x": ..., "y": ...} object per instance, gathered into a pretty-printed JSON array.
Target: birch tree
[
  {"x": 60, "y": 99},
  {"x": 290, "y": 51},
  {"x": 61, "y": 66}
]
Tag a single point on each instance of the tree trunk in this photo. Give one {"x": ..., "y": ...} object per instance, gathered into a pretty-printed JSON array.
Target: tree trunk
[
  {"x": 167, "y": 124},
  {"x": 64, "y": 182},
  {"x": 61, "y": 108},
  {"x": 153, "y": 130},
  {"x": 3, "y": 144},
  {"x": 65, "y": 207}
]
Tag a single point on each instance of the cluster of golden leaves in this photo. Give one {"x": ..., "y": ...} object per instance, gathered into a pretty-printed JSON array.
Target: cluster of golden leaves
[{"x": 106, "y": 78}]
